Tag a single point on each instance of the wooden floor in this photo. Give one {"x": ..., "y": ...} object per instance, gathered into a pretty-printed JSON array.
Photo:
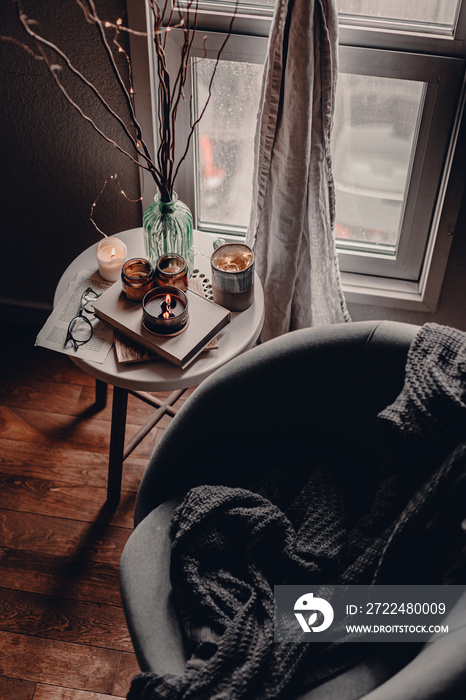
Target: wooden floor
[{"x": 62, "y": 628}]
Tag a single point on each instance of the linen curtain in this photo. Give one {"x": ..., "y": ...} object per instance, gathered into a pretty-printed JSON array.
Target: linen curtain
[{"x": 293, "y": 204}]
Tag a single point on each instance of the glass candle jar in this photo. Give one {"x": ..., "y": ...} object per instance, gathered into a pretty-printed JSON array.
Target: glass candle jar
[
  {"x": 137, "y": 278},
  {"x": 111, "y": 254},
  {"x": 165, "y": 311},
  {"x": 171, "y": 269}
]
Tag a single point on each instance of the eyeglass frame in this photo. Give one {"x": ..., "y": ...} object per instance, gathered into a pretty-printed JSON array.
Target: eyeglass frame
[{"x": 80, "y": 314}]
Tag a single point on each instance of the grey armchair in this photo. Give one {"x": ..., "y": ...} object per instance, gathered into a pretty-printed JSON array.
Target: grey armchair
[{"x": 322, "y": 387}]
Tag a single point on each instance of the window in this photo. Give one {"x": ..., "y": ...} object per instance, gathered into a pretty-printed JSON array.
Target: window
[{"x": 399, "y": 104}]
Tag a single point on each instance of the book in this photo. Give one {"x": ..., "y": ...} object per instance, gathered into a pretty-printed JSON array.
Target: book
[
  {"x": 206, "y": 319},
  {"x": 129, "y": 351}
]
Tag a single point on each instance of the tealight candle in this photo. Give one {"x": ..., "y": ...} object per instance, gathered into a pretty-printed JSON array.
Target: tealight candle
[
  {"x": 111, "y": 254},
  {"x": 165, "y": 310}
]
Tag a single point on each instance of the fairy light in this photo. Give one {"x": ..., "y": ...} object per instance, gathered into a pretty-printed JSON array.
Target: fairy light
[{"x": 113, "y": 178}]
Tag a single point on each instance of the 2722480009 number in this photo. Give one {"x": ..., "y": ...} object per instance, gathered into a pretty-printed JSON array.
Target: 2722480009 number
[{"x": 405, "y": 608}]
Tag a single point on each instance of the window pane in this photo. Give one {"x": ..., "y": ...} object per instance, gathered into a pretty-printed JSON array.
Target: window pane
[
  {"x": 374, "y": 139},
  {"x": 226, "y": 140},
  {"x": 435, "y": 12}
]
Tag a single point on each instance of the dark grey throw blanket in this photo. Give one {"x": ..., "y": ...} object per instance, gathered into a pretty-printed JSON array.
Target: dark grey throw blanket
[
  {"x": 432, "y": 405},
  {"x": 231, "y": 546}
]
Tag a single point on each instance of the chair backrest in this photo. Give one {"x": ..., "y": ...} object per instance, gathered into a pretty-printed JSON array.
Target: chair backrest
[{"x": 311, "y": 392}]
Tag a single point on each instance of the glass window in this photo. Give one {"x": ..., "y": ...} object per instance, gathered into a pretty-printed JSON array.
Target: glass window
[
  {"x": 225, "y": 142},
  {"x": 374, "y": 138},
  {"x": 392, "y": 127}
]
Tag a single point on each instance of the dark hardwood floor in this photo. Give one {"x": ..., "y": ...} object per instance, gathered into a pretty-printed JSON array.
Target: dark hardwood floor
[{"x": 62, "y": 629}]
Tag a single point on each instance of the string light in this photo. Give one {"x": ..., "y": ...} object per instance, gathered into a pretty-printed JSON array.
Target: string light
[{"x": 114, "y": 178}]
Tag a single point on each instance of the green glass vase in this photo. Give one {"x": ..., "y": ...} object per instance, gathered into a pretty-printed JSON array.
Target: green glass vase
[{"x": 168, "y": 228}]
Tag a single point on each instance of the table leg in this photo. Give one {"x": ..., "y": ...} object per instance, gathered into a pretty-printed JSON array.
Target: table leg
[
  {"x": 163, "y": 408},
  {"x": 117, "y": 444},
  {"x": 101, "y": 392}
]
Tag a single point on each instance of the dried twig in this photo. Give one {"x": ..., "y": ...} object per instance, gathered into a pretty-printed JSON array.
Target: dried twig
[{"x": 171, "y": 89}]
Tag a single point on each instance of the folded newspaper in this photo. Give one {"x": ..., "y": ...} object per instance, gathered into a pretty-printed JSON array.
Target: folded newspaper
[{"x": 53, "y": 334}]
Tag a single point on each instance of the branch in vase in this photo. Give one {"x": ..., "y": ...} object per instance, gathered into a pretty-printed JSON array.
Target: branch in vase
[
  {"x": 54, "y": 69},
  {"x": 171, "y": 89},
  {"x": 209, "y": 94},
  {"x": 121, "y": 83}
]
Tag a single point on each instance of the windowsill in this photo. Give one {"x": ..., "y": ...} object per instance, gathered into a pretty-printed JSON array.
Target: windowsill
[{"x": 392, "y": 293}]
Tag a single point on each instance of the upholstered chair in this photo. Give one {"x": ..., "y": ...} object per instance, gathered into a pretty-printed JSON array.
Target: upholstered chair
[{"x": 318, "y": 389}]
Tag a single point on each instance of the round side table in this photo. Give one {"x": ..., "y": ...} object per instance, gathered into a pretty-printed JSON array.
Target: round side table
[{"x": 158, "y": 375}]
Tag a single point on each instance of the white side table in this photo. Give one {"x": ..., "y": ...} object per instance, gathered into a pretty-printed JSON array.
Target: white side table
[{"x": 158, "y": 375}]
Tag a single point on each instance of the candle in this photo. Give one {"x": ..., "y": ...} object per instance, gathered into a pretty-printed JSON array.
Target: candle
[
  {"x": 137, "y": 278},
  {"x": 165, "y": 311},
  {"x": 111, "y": 254},
  {"x": 172, "y": 270}
]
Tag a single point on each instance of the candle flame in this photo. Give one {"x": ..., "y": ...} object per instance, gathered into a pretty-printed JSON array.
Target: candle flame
[
  {"x": 113, "y": 253},
  {"x": 168, "y": 301}
]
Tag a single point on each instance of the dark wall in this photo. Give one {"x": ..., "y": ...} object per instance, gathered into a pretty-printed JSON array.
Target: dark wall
[{"x": 53, "y": 163}]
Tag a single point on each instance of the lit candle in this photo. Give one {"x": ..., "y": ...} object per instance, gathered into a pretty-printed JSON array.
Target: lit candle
[
  {"x": 111, "y": 254},
  {"x": 165, "y": 310}
]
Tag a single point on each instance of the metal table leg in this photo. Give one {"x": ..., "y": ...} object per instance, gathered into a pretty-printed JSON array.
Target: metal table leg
[
  {"x": 101, "y": 392},
  {"x": 118, "y": 451},
  {"x": 117, "y": 444}
]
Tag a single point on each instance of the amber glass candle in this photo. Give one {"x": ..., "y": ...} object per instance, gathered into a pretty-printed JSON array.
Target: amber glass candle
[
  {"x": 172, "y": 270},
  {"x": 137, "y": 278}
]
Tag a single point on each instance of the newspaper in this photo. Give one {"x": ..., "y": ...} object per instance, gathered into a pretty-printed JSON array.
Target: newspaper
[{"x": 53, "y": 334}]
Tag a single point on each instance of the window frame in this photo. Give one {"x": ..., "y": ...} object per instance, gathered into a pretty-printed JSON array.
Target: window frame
[{"x": 419, "y": 289}]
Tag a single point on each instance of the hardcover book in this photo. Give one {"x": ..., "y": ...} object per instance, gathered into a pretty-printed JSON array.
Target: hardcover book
[{"x": 206, "y": 319}]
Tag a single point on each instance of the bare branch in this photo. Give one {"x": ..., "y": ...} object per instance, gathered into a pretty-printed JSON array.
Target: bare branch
[
  {"x": 209, "y": 95},
  {"x": 39, "y": 40},
  {"x": 171, "y": 88},
  {"x": 121, "y": 83},
  {"x": 23, "y": 46}
]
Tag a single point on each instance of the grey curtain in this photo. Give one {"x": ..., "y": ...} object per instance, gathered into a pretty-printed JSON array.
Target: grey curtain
[{"x": 293, "y": 207}]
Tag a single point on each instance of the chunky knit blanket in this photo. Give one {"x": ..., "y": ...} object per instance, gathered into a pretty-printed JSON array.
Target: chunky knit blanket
[{"x": 230, "y": 546}]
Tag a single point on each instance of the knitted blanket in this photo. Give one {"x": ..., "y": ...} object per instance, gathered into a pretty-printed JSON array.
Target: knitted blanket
[
  {"x": 231, "y": 546},
  {"x": 432, "y": 404}
]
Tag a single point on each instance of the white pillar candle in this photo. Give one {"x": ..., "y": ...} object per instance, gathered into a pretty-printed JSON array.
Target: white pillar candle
[{"x": 111, "y": 254}]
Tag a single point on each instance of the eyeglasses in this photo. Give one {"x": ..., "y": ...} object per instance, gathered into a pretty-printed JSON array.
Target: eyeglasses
[{"x": 80, "y": 328}]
